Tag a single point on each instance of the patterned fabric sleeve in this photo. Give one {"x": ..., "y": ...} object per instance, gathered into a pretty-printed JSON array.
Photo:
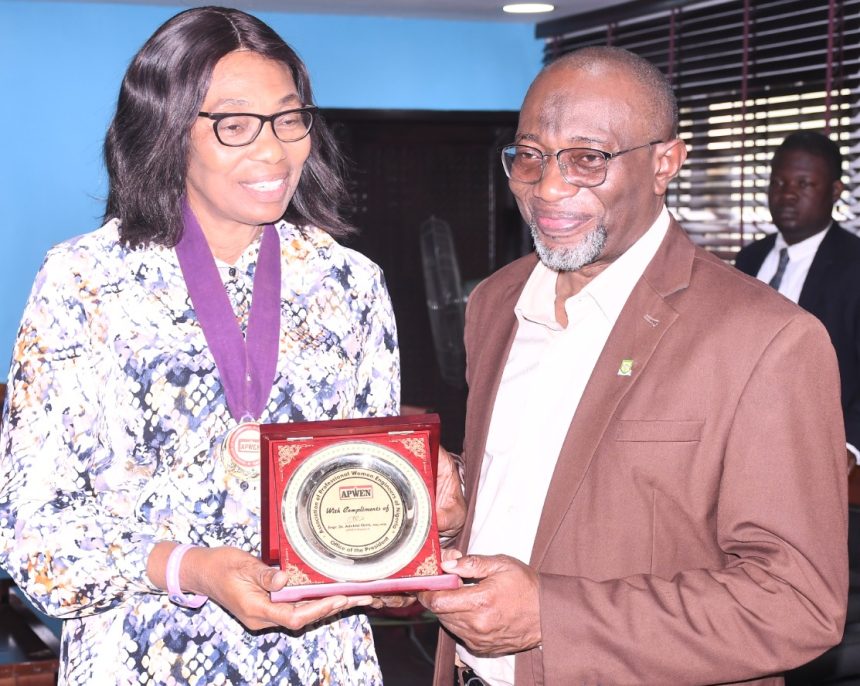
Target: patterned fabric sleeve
[
  {"x": 56, "y": 538},
  {"x": 379, "y": 371}
]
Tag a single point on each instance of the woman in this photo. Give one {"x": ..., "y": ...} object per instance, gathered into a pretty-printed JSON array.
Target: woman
[{"x": 213, "y": 298}]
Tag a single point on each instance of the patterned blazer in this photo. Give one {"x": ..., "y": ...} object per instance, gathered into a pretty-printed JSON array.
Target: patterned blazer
[{"x": 111, "y": 438}]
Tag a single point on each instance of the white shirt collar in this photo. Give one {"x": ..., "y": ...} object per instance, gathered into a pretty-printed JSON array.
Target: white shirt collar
[
  {"x": 805, "y": 248},
  {"x": 609, "y": 289}
]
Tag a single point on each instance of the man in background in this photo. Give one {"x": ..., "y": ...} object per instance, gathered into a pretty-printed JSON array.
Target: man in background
[
  {"x": 812, "y": 260},
  {"x": 654, "y": 457}
]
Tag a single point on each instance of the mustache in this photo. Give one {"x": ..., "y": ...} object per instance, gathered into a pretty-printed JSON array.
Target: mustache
[{"x": 572, "y": 258}]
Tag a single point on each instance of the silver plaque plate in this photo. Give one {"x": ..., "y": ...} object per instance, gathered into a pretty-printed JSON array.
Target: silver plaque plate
[{"x": 356, "y": 511}]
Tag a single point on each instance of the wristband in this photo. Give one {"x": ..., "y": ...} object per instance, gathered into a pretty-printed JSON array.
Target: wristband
[{"x": 171, "y": 575}]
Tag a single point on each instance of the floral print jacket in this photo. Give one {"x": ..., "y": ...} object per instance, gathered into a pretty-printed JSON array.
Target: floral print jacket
[{"x": 109, "y": 444}]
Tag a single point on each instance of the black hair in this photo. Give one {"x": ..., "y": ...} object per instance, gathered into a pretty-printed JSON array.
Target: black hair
[
  {"x": 817, "y": 144},
  {"x": 146, "y": 147}
]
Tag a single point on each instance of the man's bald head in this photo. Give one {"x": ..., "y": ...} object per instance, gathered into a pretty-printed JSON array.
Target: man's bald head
[{"x": 660, "y": 106}]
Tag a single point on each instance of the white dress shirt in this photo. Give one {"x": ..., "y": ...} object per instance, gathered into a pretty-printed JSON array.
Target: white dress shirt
[{"x": 542, "y": 383}]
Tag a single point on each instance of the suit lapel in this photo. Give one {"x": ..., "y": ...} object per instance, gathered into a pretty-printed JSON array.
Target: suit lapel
[
  {"x": 752, "y": 257},
  {"x": 643, "y": 321},
  {"x": 819, "y": 270}
]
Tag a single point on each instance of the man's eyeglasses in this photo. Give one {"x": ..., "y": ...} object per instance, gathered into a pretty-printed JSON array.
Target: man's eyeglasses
[
  {"x": 583, "y": 167},
  {"x": 236, "y": 129}
]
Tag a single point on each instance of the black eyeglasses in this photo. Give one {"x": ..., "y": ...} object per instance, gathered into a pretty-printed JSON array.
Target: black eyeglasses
[
  {"x": 236, "y": 129},
  {"x": 583, "y": 167}
]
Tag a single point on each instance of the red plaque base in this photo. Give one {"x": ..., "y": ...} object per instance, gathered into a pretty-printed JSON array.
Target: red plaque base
[{"x": 349, "y": 506}]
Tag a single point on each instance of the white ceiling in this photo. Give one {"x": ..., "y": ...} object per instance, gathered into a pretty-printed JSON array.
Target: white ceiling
[{"x": 478, "y": 10}]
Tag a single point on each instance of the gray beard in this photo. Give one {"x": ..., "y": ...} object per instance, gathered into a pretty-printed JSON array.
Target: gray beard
[{"x": 574, "y": 258}]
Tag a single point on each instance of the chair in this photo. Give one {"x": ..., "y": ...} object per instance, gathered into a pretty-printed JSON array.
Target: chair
[
  {"x": 405, "y": 641},
  {"x": 28, "y": 649}
]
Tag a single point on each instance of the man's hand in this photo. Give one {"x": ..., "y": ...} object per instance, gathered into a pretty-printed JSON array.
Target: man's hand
[
  {"x": 407, "y": 599},
  {"x": 450, "y": 503},
  {"x": 498, "y": 615}
]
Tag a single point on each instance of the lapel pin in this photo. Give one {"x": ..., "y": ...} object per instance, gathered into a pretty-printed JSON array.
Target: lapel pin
[{"x": 625, "y": 368}]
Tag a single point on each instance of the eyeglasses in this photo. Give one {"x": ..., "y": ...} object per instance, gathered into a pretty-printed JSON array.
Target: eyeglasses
[
  {"x": 583, "y": 167},
  {"x": 236, "y": 129}
]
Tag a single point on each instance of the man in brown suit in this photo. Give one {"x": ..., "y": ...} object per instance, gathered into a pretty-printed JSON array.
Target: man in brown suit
[{"x": 654, "y": 459}]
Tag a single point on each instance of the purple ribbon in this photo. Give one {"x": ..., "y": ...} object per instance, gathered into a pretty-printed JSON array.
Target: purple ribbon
[{"x": 246, "y": 365}]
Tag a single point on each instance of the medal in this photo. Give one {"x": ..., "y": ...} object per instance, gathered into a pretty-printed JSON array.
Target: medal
[
  {"x": 240, "y": 450},
  {"x": 246, "y": 364}
]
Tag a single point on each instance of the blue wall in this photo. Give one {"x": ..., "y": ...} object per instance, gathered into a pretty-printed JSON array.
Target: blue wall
[{"x": 61, "y": 65}]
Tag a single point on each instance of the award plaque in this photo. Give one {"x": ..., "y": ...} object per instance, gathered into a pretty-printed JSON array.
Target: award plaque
[{"x": 348, "y": 506}]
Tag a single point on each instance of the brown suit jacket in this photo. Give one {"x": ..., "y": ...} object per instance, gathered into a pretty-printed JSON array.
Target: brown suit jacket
[{"x": 695, "y": 528}]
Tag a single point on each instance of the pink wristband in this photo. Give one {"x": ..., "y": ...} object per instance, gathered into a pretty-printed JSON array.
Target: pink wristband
[{"x": 171, "y": 574}]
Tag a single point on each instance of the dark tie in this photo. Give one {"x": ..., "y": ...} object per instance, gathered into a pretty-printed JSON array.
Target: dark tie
[{"x": 780, "y": 269}]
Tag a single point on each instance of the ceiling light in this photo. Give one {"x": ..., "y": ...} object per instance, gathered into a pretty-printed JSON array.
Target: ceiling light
[{"x": 528, "y": 8}]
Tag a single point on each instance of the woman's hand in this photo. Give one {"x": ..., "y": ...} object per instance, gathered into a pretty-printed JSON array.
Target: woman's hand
[
  {"x": 241, "y": 583},
  {"x": 393, "y": 601}
]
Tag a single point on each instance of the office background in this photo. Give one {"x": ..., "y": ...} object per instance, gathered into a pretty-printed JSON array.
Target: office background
[{"x": 61, "y": 65}]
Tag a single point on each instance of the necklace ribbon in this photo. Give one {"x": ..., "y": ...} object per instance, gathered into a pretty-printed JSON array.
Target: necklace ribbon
[{"x": 246, "y": 365}]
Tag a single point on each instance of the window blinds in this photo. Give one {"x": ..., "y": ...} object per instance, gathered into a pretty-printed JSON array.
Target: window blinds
[{"x": 745, "y": 74}]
